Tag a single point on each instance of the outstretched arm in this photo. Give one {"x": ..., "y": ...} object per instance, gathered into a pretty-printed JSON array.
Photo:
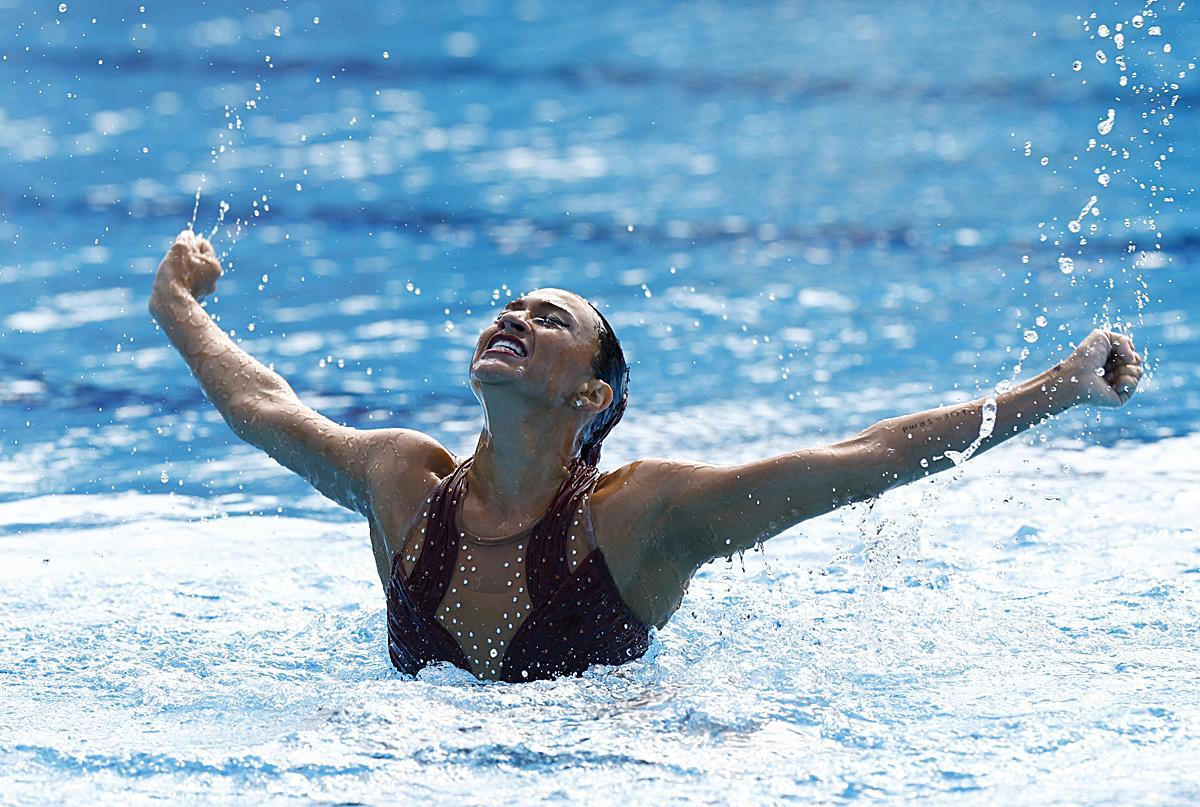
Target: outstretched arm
[
  {"x": 255, "y": 401},
  {"x": 709, "y": 511}
]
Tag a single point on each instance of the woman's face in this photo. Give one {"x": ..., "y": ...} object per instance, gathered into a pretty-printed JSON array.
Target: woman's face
[{"x": 544, "y": 341}]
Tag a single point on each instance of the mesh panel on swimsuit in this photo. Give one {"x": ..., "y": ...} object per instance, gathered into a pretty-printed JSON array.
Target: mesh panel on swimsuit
[{"x": 534, "y": 605}]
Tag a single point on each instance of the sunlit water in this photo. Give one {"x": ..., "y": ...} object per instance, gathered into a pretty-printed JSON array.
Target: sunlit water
[{"x": 799, "y": 222}]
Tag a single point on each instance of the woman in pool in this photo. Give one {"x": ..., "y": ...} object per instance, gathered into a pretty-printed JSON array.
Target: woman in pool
[{"x": 523, "y": 561}]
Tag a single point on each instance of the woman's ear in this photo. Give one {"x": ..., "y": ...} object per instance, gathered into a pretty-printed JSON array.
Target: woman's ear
[{"x": 596, "y": 395}]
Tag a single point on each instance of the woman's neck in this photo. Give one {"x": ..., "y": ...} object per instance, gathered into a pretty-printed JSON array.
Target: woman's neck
[{"x": 520, "y": 462}]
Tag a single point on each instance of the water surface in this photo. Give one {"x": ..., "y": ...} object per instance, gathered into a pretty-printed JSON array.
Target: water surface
[{"x": 799, "y": 220}]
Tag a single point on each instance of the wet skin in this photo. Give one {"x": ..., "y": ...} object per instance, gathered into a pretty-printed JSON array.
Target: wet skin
[{"x": 657, "y": 520}]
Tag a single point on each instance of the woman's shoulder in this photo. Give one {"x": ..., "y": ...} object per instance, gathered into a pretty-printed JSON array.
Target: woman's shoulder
[
  {"x": 405, "y": 465},
  {"x": 409, "y": 449},
  {"x": 652, "y": 479},
  {"x": 628, "y": 502},
  {"x": 632, "y": 505}
]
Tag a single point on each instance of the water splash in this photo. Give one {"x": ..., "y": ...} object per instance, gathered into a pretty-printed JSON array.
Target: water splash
[
  {"x": 222, "y": 209},
  {"x": 1125, "y": 53},
  {"x": 1089, "y": 208},
  {"x": 228, "y": 139},
  {"x": 196, "y": 207},
  {"x": 987, "y": 424}
]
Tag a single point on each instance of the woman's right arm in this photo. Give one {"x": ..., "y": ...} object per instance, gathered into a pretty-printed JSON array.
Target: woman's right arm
[{"x": 259, "y": 406}]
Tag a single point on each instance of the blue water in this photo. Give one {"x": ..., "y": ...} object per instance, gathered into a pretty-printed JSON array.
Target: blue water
[{"x": 799, "y": 220}]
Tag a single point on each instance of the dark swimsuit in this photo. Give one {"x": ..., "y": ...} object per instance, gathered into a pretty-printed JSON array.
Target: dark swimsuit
[{"x": 549, "y": 619}]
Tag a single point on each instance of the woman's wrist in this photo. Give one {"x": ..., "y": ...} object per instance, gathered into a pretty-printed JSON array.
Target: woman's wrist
[
  {"x": 1053, "y": 391},
  {"x": 166, "y": 296}
]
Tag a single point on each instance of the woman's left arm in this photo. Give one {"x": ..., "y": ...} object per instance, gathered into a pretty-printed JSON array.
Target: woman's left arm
[{"x": 707, "y": 511}]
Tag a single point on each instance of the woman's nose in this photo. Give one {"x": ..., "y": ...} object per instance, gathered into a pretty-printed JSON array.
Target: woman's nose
[{"x": 512, "y": 321}]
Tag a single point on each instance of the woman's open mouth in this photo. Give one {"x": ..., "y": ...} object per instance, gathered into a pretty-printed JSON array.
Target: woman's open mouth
[{"x": 503, "y": 343}]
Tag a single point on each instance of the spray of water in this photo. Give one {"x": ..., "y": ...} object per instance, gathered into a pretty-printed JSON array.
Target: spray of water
[
  {"x": 1137, "y": 122},
  {"x": 1131, "y": 146},
  {"x": 228, "y": 140},
  {"x": 986, "y": 425}
]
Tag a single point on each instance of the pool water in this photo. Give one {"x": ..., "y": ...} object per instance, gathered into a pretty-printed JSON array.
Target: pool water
[{"x": 799, "y": 220}]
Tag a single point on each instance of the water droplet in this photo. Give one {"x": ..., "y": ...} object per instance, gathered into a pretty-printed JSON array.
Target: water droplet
[
  {"x": 62, "y": 8},
  {"x": 1066, "y": 265},
  {"x": 1031, "y": 336},
  {"x": 1105, "y": 126},
  {"x": 1077, "y": 65},
  {"x": 986, "y": 425},
  {"x": 1041, "y": 321}
]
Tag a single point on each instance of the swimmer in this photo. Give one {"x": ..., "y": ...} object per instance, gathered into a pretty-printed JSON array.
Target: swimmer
[{"x": 523, "y": 561}]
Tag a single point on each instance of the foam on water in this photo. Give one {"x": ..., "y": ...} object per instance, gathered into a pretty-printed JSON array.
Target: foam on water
[{"x": 223, "y": 654}]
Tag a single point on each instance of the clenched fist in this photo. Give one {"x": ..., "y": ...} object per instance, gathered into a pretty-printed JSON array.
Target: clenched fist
[
  {"x": 1104, "y": 370},
  {"x": 190, "y": 265}
]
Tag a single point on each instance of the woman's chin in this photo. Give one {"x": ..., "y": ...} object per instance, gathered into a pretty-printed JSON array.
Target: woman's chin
[{"x": 489, "y": 370}]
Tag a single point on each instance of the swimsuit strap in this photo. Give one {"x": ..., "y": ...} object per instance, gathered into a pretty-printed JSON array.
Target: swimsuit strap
[
  {"x": 589, "y": 526},
  {"x": 430, "y": 576},
  {"x": 546, "y": 562}
]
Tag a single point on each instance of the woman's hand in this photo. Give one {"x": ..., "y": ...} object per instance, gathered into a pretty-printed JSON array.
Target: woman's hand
[
  {"x": 1104, "y": 370},
  {"x": 190, "y": 265}
]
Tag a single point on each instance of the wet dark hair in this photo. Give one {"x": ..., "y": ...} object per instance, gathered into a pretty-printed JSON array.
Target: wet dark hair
[{"x": 610, "y": 367}]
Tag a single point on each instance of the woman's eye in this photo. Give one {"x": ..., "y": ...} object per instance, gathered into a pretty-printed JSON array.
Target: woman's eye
[{"x": 553, "y": 320}]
